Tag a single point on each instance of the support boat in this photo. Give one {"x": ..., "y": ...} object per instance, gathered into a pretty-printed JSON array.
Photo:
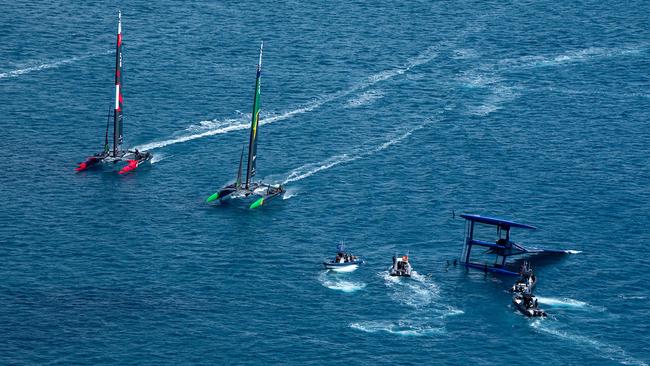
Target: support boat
[
  {"x": 344, "y": 261},
  {"x": 526, "y": 303},
  {"x": 401, "y": 267}
]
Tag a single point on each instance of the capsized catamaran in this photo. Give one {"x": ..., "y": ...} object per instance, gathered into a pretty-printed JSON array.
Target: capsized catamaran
[
  {"x": 261, "y": 192},
  {"x": 116, "y": 155}
]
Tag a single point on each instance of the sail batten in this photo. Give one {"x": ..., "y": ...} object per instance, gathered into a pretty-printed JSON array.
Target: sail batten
[
  {"x": 117, "y": 114},
  {"x": 252, "y": 146}
]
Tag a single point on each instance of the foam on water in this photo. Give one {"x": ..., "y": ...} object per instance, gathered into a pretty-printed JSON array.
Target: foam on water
[
  {"x": 429, "y": 321},
  {"x": 308, "y": 170},
  {"x": 365, "y": 98},
  {"x": 217, "y": 127},
  {"x": 487, "y": 76},
  {"x": 185, "y": 138},
  {"x": 605, "y": 350},
  {"x": 478, "y": 79},
  {"x": 401, "y": 327},
  {"x": 464, "y": 54},
  {"x": 568, "y": 304},
  {"x": 626, "y": 297},
  {"x": 564, "y": 302},
  {"x": 158, "y": 158},
  {"x": 291, "y": 192},
  {"x": 48, "y": 65},
  {"x": 500, "y": 94},
  {"x": 573, "y": 56},
  {"x": 335, "y": 282},
  {"x": 571, "y": 251},
  {"x": 218, "y": 124},
  {"x": 417, "y": 292}
]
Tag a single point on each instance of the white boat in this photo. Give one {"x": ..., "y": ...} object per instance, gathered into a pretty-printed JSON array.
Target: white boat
[
  {"x": 401, "y": 267},
  {"x": 344, "y": 261}
]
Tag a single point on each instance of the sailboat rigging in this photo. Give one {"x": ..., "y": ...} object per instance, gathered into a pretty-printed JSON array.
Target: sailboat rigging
[
  {"x": 116, "y": 155},
  {"x": 263, "y": 192}
]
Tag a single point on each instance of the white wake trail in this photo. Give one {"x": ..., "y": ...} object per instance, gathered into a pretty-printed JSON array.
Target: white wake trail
[
  {"x": 229, "y": 125},
  {"x": 428, "y": 55},
  {"x": 308, "y": 170},
  {"x": 606, "y": 350},
  {"x": 218, "y": 131},
  {"x": 569, "y": 57},
  {"x": 49, "y": 65}
]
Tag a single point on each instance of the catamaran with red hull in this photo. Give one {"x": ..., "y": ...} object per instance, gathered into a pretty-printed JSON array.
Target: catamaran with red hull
[
  {"x": 258, "y": 193},
  {"x": 115, "y": 156}
]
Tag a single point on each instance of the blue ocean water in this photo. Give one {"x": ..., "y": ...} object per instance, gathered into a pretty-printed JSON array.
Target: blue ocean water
[{"x": 383, "y": 119}]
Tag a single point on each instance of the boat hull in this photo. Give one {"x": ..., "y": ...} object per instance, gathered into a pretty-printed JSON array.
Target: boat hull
[
  {"x": 127, "y": 160},
  {"x": 400, "y": 275},
  {"x": 257, "y": 195},
  {"x": 341, "y": 267},
  {"x": 400, "y": 268},
  {"x": 399, "y": 272},
  {"x": 518, "y": 302},
  {"x": 524, "y": 285}
]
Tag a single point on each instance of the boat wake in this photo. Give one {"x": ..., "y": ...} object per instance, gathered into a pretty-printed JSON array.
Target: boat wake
[
  {"x": 571, "y": 251},
  {"x": 417, "y": 291},
  {"x": 366, "y": 97},
  {"x": 568, "y": 57},
  {"x": 605, "y": 350},
  {"x": 158, "y": 158},
  {"x": 500, "y": 94},
  {"x": 563, "y": 303},
  {"x": 185, "y": 138},
  {"x": 488, "y": 75},
  {"x": 218, "y": 124},
  {"x": 291, "y": 192},
  {"x": 217, "y": 127},
  {"x": 308, "y": 170},
  {"x": 430, "y": 321},
  {"x": 49, "y": 65},
  {"x": 335, "y": 282},
  {"x": 403, "y": 327},
  {"x": 632, "y": 297}
]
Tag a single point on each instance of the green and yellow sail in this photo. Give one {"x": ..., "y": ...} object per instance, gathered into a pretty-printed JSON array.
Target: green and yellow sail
[{"x": 252, "y": 146}]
